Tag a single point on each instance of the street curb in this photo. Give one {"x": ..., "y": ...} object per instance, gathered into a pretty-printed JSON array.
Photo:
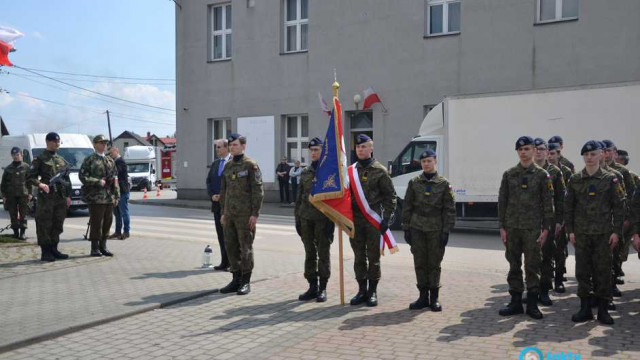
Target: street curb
[
  {"x": 75, "y": 328},
  {"x": 183, "y": 206}
]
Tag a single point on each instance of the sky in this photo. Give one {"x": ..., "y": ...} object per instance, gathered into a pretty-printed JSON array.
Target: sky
[{"x": 116, "y": 38}]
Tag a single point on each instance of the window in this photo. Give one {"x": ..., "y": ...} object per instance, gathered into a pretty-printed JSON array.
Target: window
[
  {"x": 297, "y": 135},
  {"x": 296, "y": 25},
  {"x": 220, "y": 32},
  {"x": 126, "y": 144},
  {"x": 409, "y": 159},
  {"x": 219, "y": 129},
  {"x": 443, "y": 17},
  {"x": 557, "y": 10}
]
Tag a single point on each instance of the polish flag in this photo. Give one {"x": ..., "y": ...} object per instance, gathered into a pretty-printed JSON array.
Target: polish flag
[
  {"x": 370, "y": 98},
  {"x": 323, "y": 105},
  {"x": 5, "y": 49},
  {"x": 7, "y": 37}
]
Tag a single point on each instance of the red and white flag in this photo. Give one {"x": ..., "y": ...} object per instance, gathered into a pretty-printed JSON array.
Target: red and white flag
[
  {"x": 5, "y": 49},
  {"x": 370, "y": 98},
  {"x": 7, "y": 37},
  {"x": 323, "y": 105}
]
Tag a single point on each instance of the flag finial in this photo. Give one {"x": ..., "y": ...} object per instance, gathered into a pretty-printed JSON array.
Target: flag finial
[{"x": 335, "y": 84}]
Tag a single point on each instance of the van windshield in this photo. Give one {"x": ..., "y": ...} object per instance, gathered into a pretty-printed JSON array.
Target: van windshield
[
  {"x": 138, "y": 168},
  {"x": 74, "y": 156}
]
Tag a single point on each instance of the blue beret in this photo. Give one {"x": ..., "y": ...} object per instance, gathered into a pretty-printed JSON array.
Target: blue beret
[
  {"x": 556, "y": 139},
  {"x": 52, "y": 136},
  {"x": 315, "y": 142},
  {"x": 608, "y": 144},
  {"x": 590, "y": 145},
  {"x": 601, "y": 145},
  {"x": 539, "y": 141},
  {"x": 524, "y": 140},
  {"x": 623, "y": 152},
  {"x": 428, "y": 153},
  {"x": 233, "y": 137},
  {"x": 15, "y": 150},
  {"x": 362, "y": 138},
  {"x": 554, "y": 146}
]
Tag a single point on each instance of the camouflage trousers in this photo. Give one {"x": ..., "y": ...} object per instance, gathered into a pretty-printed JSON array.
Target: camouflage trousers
[
  {"x": 51, "y": 210},
  {"x": 317, "y": 248},
  {"x": 238, "y": 240},
  {"x": 559, "y": 255},
  {"x": 18, "y": 210},
  {"x": 427, "y": 257},
  {"x": 621, "y": 253},
  {"x": 593, "y": 261},
  {"x": 519, "y": 242},
  {"x": 366, "y": 248}
]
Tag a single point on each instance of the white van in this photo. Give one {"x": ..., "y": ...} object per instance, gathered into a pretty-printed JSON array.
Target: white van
[
  {"x": 73, "y": 147},
  {"x": 142, "y": 162}
]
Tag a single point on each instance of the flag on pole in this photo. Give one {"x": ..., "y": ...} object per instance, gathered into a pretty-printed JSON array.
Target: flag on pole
[
  {"x": 330, "y": 189},
  {"x": 9, "y": 35},
  {"x": 323, "y": 105},
  {"x": 370, "y": 98},
  {"x": 5, "y": 49}
]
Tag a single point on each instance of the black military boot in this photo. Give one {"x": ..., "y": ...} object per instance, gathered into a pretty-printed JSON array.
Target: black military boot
[
  {"x": 611, "y": 305},
  {"x": 46, "y": 253},
  {"x": 423, "y": 300},
  {"x": 532, "y": 305},
  {"x": 311, "y": 293},
  {"x": 434, "y": 304},
  {"x": 515, "y": 306},
  {"x": 603, "y": 313},
  {"x": 15, "y": 233},
  {"x": 619, "y": 280},
  {"x": 57, "y": 254},
  {"x": 615, "y": 292},
  {"x": 233, "y": 285},
  {"x": 322, "y": 291},
  {"x": 361, "y": 296},
  {"x": 585, "y": 313},
  {"x": 544, "y": 296},
  {"x": 245, "y": 286},
  {"x": 372, "y": 294},
  {"x": 95, "y": 252},
  {"x": 103, "y": 248},
  {"x": 21, "y": 236}
]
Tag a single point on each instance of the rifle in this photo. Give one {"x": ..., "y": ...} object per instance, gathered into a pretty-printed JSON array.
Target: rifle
[{"x": 59, "y": 178}]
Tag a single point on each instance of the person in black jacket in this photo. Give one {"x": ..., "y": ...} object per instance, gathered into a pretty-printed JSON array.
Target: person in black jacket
[
  {"x": 214, "y": 180},
  {"x": 121, "y": 212},
  {"x": 282, "y": 170}
]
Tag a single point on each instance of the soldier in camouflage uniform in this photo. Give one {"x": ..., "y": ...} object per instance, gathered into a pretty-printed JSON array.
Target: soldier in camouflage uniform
[
  {"x": 562, "y": 252},
  {"x": 525, "y": 211},
  {"x": 381, "y": 196},
  {"x": 428, "y": 215},
  {"x": 240, "y": 200},
  {"x": 563, "y": 160},
  {"x": 622, "y": 157},
  {"x": 101, "y": 192},
  {"x": 550, "y": 247},
  {"x": 316, "y": 231},
  {"x": 594, "y": 212},
  {"x": 16, "y": 193},
  {"x": 53, "y": 199}
]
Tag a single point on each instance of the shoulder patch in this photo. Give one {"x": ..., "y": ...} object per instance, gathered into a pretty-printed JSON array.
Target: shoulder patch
[
  {"x": 615, "y": 180},
  {"x": 256, "y": 172}
]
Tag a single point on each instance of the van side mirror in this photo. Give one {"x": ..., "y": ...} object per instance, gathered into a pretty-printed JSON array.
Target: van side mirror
[{"x": 153, "y": 171}]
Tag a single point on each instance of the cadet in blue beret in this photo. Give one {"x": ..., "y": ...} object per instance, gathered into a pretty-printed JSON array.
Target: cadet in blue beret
[
  {"x": 563, "y": 160},
  {"x": 52, "y": 136},
  {"x": 316, "y": 231},
  {"x": 428, "y": 215},
  {"x": 525, "y": 211}
]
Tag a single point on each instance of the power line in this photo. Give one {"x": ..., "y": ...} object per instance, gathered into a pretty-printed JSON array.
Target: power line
[
  {"x": 102, "y": 81},
  {"x": 95, "y": 92},
  {"x": 99, "y": 76}
]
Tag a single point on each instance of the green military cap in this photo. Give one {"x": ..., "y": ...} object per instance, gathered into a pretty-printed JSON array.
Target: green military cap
[{"x": 100, "y": 139}]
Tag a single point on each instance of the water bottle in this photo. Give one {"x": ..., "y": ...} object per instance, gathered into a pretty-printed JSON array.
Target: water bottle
[{"x": 206, "y": 257}]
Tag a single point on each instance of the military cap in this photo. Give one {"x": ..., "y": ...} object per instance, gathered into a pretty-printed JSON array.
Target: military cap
[
  {"x": 315, "y": 142},
  {"x": 554, "y": 146},
  {"x": 362, "y": 138},
  {"x": 608, "y": 144},
  {"x": 557, "y": 139},
  {"x": 539, "y": 141},
  {"x": 15, "y": 150},
  {"x": 233, "y": 137},
  {"x": 428, "y": 153},
  {"x": 100, "y": 139},
  {"x": 601, "y": 145},
  {"x": 623, "y": 152},
  {"x": 590, "y": 145},
  {"x": 52, "y": 136},
  {"x": 524, "y": 140}
]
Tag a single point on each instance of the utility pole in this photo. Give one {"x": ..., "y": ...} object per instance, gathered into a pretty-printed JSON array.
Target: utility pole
[{"x": 109, "y": 125}]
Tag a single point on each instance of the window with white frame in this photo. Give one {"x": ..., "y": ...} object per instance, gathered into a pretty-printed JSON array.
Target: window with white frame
[
  {"x": 220, "y": 129},
  {"x": 296, "y": 25},
  {"x": 220, "y": 32},
  {"x": 557, "y": 10},
  {"x": 443, "y": 17},
  {"x": 297, "y": 135}
]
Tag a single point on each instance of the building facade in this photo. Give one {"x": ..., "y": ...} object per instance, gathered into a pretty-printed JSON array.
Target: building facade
[{"x": 258, "y": 66}]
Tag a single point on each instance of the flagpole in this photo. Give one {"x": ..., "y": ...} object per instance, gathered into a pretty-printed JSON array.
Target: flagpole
[{"x": 336, "y": 86}]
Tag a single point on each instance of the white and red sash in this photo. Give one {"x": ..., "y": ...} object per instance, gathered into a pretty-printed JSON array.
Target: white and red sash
[{"x": 371, "y": 216}]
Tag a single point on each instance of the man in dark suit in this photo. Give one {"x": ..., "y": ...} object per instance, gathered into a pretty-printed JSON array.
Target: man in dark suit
[{"x": 213, "y": 188}]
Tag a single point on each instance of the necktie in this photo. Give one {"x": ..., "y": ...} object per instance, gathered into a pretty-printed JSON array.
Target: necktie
[{"x": 221, "y": 167}]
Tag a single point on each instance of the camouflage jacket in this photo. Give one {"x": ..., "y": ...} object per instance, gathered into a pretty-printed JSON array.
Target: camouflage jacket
[
  {"x": 304, "y": 208},
  {"x": 629, "y": 182},
  {"x": 525, "y": 199},
  {"x": 567, "y": 173},
  {"x": 429, "y": 205},
  {"x": 564, "y": 161},
  {"x": 14, "y": 180},
  {"x": 607, "y": 168},
  {"x": 636, "y": 179},
  {"x": 241, "y": 190},
  {"x": 559, "y": 190},
  {"x": 377, "y": 188},
  {"x": 43, "y": 168},
  {"x": 594, "y": 203},
  {"x": 95, "y": 168}
]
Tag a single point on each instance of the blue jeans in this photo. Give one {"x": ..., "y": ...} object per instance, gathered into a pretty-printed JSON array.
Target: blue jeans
[{"x": 121, "y": 213}]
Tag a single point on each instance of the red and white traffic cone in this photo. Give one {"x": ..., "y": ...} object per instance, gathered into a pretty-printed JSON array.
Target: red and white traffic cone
[
  {"x": 146, "y": 196},
  {"x": 158, "y": 191}
]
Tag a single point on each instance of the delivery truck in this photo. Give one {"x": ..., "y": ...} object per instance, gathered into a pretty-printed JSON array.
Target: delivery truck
[
  {"x": 474, "y": 137},
  {"x": 143, "y": 163}
]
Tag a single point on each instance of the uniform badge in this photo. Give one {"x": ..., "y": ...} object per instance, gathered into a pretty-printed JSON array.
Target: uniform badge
[
  {"x": 233, "y": 175},
  {"x": 428, "y": 190},
  {"x": 549, "y": 185},
  {"x": 243, "y": 173},
  {"x": 525, "y": 183},
  {"x": 364, "y": 176},
  {"x": 592, "y": 190},
  {"x": 257, "y": 173},
  {"x": 619, "y": 190}
]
